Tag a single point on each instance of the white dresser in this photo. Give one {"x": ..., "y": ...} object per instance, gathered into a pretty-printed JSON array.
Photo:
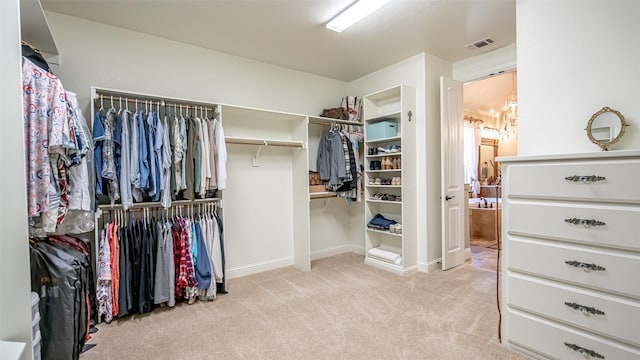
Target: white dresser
[{"x": 570, "y": 284}]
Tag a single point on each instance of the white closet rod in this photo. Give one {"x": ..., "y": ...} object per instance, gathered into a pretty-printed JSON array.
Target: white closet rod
[
  {"x": 157, "y": 204},
  {"x": 100, "y": 94},
  {"x": 263, "y": 142}
]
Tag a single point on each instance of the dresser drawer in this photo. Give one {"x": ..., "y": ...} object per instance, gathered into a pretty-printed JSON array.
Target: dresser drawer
[
  {"x": 562, "y": 342},
  {"x": 548, "y": 180},
  {"x": 615, "y": 226},
  {"x": 604, "y": 314},
  {"x": 549, "y": 259}
]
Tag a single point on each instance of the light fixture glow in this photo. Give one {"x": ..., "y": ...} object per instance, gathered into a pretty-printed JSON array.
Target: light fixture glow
[{"x": 354, "y": 13}]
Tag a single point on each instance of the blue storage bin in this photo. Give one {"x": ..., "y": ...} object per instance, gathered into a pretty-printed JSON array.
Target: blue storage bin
[{"x": 381, "y": 130}]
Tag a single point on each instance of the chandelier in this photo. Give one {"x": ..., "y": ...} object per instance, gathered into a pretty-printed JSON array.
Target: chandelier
[{"x": 510, "y": 114}]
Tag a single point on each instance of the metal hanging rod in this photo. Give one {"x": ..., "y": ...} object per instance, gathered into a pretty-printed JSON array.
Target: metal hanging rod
[
  {"x": 107, "y": 95},
  {"x": 158, "y": 205}
]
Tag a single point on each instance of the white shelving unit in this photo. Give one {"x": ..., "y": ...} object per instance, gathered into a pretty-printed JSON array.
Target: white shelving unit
[
  {"x": 396, "y": 105},
  {"x": 267, "y": 160}
]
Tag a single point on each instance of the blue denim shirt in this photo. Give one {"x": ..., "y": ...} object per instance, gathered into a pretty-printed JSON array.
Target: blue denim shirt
[
  {"x": 98, "y": 138},
  {"x": 142, "y": 151}
]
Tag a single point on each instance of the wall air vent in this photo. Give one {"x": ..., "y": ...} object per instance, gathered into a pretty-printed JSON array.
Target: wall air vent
[{"x": 480, "y": 43}]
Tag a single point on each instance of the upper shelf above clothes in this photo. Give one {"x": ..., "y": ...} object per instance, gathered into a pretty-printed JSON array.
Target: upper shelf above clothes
[{"x": 35, "y": 30}]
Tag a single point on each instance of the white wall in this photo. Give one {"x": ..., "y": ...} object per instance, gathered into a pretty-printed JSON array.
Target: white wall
[
  {"x": 573, "y": 59},
  {"x": 484, "y": 65},
  {"x": 15, "y": 282},
  {"x": 111, "y": 57}
]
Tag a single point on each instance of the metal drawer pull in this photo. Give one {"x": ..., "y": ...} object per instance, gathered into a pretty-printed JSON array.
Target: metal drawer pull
[
  {"x": 584, "y": 351},
  {"x": 585, "y": 266},
  {"x": 584, "y": 309},
  {"x": 585, "y": 178},
  {"x": 585, "y": 222}
]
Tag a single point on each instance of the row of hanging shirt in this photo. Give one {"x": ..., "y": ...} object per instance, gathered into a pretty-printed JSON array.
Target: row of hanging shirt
[
  {"x": 140, "y": 157},
  {"x": 338, "y": 162},
  {"x": 147, "y": 261},
  {"x": 58, "y": 155}
]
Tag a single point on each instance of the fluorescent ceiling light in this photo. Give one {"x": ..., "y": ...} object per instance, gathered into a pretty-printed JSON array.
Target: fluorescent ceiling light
[{"x": 354, "y": 14}]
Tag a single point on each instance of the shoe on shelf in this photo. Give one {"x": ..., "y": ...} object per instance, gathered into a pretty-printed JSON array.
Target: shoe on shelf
[
  {"x": 398, "y": 180},
  {"x": 389, "y": 163},
  {"x": 398, "y": 198},
  {"x": 398, "y": 228},
  {"x": 377, "y": 181},
  {"x": 391, "y": 198}
]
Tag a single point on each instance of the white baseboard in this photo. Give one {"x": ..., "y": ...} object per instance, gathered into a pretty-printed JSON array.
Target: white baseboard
[
  {"x": 430, "y": 266},
  {"x": 321, "y": 254},
  {"x": 357, "y": 249},
  {"x": 396, "y": 269},
  {"x": 467, "y": 253},
  {"x": 244, "y": 270}
]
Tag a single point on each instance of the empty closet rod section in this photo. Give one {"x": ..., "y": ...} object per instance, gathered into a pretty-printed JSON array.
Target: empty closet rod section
[
  {"x": 263, "y": 142},
  {"x": 111, "y": 96}
]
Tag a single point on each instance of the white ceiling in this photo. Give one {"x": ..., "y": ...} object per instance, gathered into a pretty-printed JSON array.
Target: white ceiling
[{"x": 291, "y": 33}]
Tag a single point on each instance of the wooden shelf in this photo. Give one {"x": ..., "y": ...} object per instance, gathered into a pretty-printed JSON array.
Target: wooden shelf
[
  {"x": 393, "y": 138},
  {"x": 323, "y": 195},
  {"x": 382, "y": 171},
  {"x": 263, "y": 142},
  {"x": 383, "y": 155},
  {"x": 384, "y": 201},
  {"x": 383, "y": 232},
  {"x": 396, "y": 115}
]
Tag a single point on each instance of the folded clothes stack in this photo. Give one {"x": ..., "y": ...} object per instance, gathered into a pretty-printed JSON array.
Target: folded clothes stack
[{"x": 379, "y": 222}]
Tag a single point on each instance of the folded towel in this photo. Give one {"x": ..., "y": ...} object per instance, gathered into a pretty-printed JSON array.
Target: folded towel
[{"x": 385, "y": 255}]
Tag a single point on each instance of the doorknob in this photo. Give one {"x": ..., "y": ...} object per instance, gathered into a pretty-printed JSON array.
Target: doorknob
[{"x": 447, "y": 197}]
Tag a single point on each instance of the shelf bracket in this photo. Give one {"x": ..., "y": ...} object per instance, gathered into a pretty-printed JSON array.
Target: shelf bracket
[{"x": 255, "y": 160}]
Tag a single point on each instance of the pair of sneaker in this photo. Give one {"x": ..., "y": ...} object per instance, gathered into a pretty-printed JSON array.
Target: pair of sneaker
[
  {"x": 395, "y": 228},
  {"x": 390, "y": 149},
  {"x": 396, "y": 180},
  {"x": 383, "y": 197}
]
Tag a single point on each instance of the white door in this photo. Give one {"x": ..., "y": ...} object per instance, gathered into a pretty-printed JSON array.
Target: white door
[{"x": 452, "y": 172}]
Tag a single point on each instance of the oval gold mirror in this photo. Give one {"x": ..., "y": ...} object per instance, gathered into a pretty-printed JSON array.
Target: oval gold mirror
[{"x": 606, "y": 127}]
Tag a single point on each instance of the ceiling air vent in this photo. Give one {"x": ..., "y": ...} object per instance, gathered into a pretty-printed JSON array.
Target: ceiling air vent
[{"x": 480, "y": 43}]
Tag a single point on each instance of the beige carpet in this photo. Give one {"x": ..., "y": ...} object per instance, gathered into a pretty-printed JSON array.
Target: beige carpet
[{"x": 341, "y": 309}]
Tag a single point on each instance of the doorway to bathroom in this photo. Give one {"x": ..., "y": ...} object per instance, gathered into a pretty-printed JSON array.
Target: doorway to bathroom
[{"x": 490, "y": 117}]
